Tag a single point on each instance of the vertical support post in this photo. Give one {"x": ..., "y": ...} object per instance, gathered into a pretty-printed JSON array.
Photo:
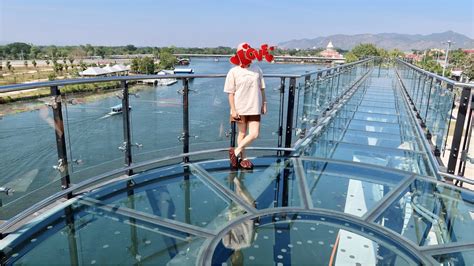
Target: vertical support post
[
  {"x": 127, "y": 144},
  {"x": 282, "y": 107},
  {"x": 185, "y": 119},
  {"x": 289, "y": 113},
  {"x": 306, "y": 105},
  {"x": 233, "y": 132},
  {"x": 71, "y": 235},
  {"x": 63, "y": 166},
  {"x": 458, "y": 129}
]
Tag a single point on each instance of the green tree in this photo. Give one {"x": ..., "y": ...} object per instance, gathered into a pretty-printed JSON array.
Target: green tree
[
  {"x": 365, "y": 50},
  {"x": 351, "y": 57},
  {"x": 135, "y": 66},
  {"x": 47, "y": 62},
  {"x": 34, "y": 63},
  {"x": 396, "y": 53},
  {"x": 25, "y": 63},
  {"x": 9, "y": 66},
  {"x": 167, "y": 59},
  {"x": 100, "y": 51},
  {"x": 71, "y": 60},
  {"x": 147, "y": 65}
]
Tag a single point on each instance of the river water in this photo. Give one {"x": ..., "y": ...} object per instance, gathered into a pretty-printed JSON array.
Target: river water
[{"x": 27, "y": 141}]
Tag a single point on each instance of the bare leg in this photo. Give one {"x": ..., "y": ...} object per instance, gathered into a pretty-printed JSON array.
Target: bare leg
[
  {"x": 242, "y": 132},
  {"x": 254, "y": 130}
]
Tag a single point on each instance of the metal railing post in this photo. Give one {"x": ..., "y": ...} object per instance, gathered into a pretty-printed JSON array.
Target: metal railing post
[
  {"x": 289, "y": 114},
  {"x": 63, "y": 166},
  {"x": 233, "y": 131},
  {"x": 185, "y": 133},
  {"x": 306, "y": 105},
  {"x": 282, "y": 108},
  {"x": 458, "y": 129},
  {"x": 127, "y": 144}
]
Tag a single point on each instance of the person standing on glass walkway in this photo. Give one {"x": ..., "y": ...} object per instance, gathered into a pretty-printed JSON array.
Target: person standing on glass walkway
[{"x": 246, "y": 92}]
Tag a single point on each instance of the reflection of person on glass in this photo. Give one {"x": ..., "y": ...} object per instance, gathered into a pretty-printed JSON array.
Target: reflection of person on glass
[
  {"x": 242, "y": 235},
  {"x": 246, "y": 88}
]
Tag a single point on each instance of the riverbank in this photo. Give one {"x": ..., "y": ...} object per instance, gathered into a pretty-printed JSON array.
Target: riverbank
[{"x": 35, "y": 99}]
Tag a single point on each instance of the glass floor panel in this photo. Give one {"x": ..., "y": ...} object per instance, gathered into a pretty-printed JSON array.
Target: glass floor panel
[
  {"x": 376, "y": 117},
  {"x": 351, "y": 137},
  {"x": 94, "y": 236},
  {"x": 359, "y": 189},
  {"x": 181, "y": 196},
  {"x": 428, "y": 213},
  {"x": 456, "y": 258},
  {"x": 293, "y": 238},
  {"x": 405, "y": 160},
  {"x": 261, "y": 186}
]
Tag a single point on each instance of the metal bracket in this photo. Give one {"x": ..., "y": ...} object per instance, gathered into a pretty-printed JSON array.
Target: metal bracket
[
  {"x": 61, "y": 167},
  {"x": 124, "y": 145},
  {"x": 465, "y": 157},
  {"x": 181, "y": 138},
  {"x": 54, "y": 101},
  {"x": 8, "y": 191},
  {"x": 181, "y": 91}
]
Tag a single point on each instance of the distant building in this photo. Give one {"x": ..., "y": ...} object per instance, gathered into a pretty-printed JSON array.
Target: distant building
[
  {"x": 414, "y": 57},
  {"x": 330, "y": 52}
]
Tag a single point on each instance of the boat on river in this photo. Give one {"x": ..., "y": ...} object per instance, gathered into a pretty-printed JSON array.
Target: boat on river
[{"x": 117, "y": 109}]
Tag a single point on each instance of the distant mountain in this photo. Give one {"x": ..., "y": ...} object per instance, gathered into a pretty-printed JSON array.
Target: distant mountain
[{"x": 404, "y": 42}]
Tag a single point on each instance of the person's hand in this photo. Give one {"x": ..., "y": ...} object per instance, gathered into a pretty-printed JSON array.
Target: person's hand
[
  {"x": 264, "y": 108},
  {"x": 234, "y": 114}
]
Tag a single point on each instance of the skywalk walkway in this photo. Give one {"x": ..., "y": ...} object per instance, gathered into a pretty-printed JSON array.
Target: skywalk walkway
[{"x": 358, "y": 187}]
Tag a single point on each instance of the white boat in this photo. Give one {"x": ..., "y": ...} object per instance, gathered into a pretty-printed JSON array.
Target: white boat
[
  {"x": 184, "y": 71},
  {"x": 117, "y": 109},
  {"x": 165, "y": 82}
]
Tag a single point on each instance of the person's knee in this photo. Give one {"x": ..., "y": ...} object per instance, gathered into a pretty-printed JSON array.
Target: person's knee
[{"x": 253, "y": 135}]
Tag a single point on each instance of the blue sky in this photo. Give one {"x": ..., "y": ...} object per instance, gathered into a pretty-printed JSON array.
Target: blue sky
[{"x": 202, "y": 23}]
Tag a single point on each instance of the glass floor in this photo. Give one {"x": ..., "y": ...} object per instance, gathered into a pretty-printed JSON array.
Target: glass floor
[{"x": 362, "y": 193}]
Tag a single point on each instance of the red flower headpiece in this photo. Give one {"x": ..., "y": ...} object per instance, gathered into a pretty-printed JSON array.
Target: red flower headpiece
[{"x": 245, "y": 54}]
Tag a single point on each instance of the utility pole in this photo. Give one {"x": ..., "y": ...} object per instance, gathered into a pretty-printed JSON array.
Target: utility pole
[{"x": 446, "y": 57}]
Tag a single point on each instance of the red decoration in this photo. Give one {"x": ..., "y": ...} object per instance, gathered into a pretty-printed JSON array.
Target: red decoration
[{"x": 244, "y": 56}]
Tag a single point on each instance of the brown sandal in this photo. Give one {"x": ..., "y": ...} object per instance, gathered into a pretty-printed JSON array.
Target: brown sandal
[
  {"x": 246, "y": 164},
  {"x": 234, "y": 162}
]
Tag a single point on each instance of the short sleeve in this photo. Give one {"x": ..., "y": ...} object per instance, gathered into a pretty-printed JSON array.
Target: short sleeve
[{"x": 229, "y": 85}]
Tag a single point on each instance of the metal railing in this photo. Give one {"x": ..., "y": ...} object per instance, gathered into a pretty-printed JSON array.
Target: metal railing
[
  {"x": 295, "y": 116},
  {"x": 434, "y": 100}
]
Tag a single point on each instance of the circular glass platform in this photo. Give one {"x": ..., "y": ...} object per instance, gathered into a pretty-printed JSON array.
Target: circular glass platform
[{"x": 287, "y": 210}]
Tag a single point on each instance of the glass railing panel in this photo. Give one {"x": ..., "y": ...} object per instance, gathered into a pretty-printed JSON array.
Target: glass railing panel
[
  {"x": 348, "y": 188},
  {"x": 456, "y": 258},
  {"x": 437, "y": 116},
  {"x": 430, "y": 213},
  {"x": 156, "y": 119},
  {"x": 175, "y": 193},
  {"x": 260, "y": 186},
  {"x": 94, "y": 131},
  {"x": 27, "y": 156},
  {"x": 209, "y": 115}
]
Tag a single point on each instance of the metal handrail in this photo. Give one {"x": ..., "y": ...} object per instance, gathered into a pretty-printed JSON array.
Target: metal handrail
[
  {"x": 34, "y": 85},
  {"x": 436, "y": 76}
]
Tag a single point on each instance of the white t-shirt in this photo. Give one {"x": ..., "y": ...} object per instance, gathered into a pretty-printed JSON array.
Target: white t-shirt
[{"x": 246, "y": 83}]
